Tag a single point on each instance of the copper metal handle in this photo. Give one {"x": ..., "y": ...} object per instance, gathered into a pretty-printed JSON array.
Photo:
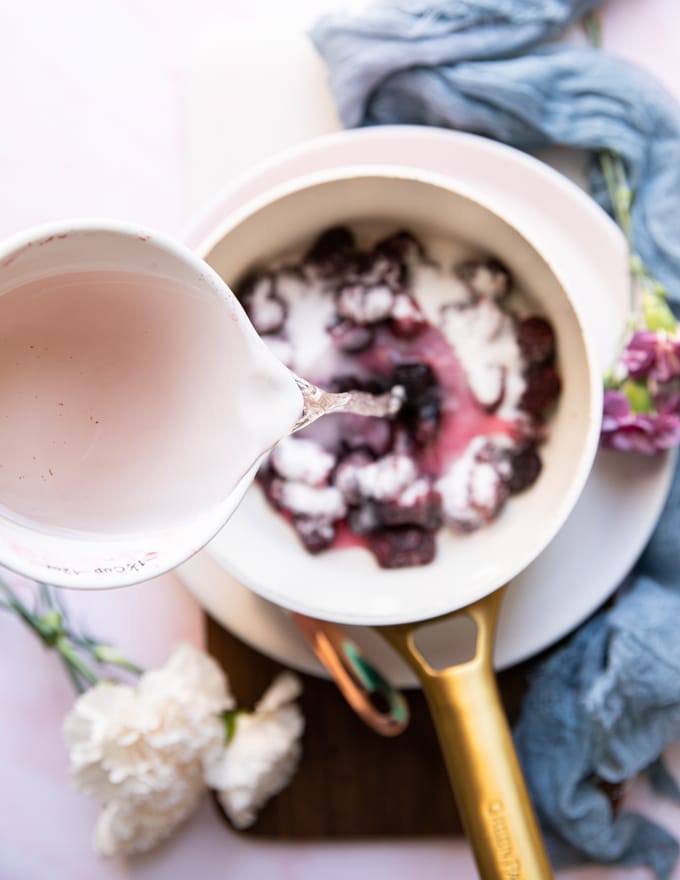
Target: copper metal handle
[
  {"x": 485, "y": 774},
  {"x": 356, "y": 677}
]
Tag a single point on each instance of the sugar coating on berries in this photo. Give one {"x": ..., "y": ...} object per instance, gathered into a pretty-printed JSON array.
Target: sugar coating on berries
[
  {"x": 306, "y": 461},
  {"x": 363, "y": 518},
  {"x": 374, "y": 268},
  {"x": 325, "y": 502},
  {"x": 479, "y": 379},
  {"x": 350, "y": 337},
  {"x": 266, "y": 310},
  {"x": 365, "y": 305},
  {"x": 418, "y": 505},
  {"x": 407, "y": 317},
  {"x": 402, "y": 246},
  {"x": 345, "y": 475},
  {"x": 473, "y": 489},
  {"x": 386, "y": 478},
  {"x": 496, "y": 377},
  {"x": 486, "y": 278},
  {"x": 317, "y": 534}
]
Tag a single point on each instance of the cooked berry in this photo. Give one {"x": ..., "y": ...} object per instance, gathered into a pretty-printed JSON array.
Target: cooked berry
[
  {"x": 363, "y": 519},
  {"x": 271, "y": 485},
  {"x": 485, "y": 277},
  {"x": 393, "y": 482},
  {"x": 424, "y": 511},
  {"x": 426, "y": 425},
  {"x": 332, "y": 252},
  {"x": 345, "y": 382},
  {"x": 402, "y": 246},
  {"x": 528, "y": 429},
  {"x": 366, "y": 432},
  {"x": 266, "y": 310},
  {"x": 421, "y": 411},
  {"x": 350, "y": 337},
  {"x": 316, "y": 534},
  {"x": 402, "y": 546},
  {"x": 536, "y": 339},
  {"x": 377, "y": 384},
  {"x": 417, "y": 379},
  {"x": 373, "y": 268},
  {"x": 525, "y": 466},
  {"x": 258, "y": 282},
  {"x": 543, "y": 387}
]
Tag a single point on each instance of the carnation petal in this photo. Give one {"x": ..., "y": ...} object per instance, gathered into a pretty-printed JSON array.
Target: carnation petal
[
  {"x": 263, "y": 754},
  {"x": 285, "y": 688}
]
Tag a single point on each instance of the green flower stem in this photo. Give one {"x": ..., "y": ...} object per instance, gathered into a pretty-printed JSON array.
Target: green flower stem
[
  {"x": 49, "y": 627},
  {"x": 49, "y": 622},
  {"x": 111, "y": 657},
  {"x": 648, "y": 299},
  {"x": 592, "y": 24},
  {"x": 78, "y": 684},
  {"x": 621, "y": 198},
  {"x": 68, "y": 652}
]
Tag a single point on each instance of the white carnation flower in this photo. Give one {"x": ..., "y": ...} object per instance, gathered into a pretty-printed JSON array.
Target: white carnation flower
[
  {"x": 142, "y": 750},
  {"x": 263, "y": 754},
  {"x": 133, "y": 826}
]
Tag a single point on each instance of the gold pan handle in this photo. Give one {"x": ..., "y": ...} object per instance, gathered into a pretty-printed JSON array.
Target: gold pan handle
[{"x": 485, "y": 774}]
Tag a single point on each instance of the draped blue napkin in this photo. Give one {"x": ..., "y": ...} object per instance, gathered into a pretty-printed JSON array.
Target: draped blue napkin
[{"x": 604, "y": 705}]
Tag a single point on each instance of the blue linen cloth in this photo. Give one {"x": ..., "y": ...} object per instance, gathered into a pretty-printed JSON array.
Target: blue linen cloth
[{"x": 605, "y": 704}]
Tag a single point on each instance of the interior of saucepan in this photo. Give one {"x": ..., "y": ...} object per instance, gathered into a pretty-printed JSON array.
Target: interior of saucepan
[{"x": 346, "y": 585}]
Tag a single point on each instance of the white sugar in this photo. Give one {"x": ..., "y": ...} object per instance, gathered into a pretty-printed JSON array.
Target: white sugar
[
  {"x": 417, "y": 491},
  {"x": 365, "y": 305},
  {"x": 386, "y": 478},
  {"x": 302, "y": 460},
  {"x": 311, "y": 308},
  {"x": 483, "y": 338},
  {"x": 488, "y": 281},
  {"x": 468, "y": 485},
  {"x": 324, "y": 502}
]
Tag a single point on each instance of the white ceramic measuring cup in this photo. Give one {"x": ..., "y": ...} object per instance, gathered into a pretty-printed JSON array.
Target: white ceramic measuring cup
[{"x": 136, "y": 400}]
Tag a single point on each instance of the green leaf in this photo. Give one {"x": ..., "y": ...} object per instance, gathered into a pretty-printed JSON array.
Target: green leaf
[
  {"x": 657, "y": 314},
  {"x": 230, "y": 718},
  {"x": 638, "y": 396},
  {"x": 611, "y": 383}
]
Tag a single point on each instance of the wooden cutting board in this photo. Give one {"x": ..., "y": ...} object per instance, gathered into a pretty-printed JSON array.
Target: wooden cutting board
[{"x": 352, "y": 782}]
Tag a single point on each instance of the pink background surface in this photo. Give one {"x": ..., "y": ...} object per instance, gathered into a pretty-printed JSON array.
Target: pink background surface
[{"x": 98, "y": 101}]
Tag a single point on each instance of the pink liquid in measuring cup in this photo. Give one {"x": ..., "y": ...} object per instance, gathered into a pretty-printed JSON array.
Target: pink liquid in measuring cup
[{"x": 128, "y": 402}]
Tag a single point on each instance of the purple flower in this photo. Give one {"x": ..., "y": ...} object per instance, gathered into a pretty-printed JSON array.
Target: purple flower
[
  {"x": 647, "y": 432},
  {"x": 656, "y": 355}
]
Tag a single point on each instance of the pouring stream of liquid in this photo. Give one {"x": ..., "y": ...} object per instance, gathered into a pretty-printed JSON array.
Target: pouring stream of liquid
[{"x": 317, "y": 402}]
